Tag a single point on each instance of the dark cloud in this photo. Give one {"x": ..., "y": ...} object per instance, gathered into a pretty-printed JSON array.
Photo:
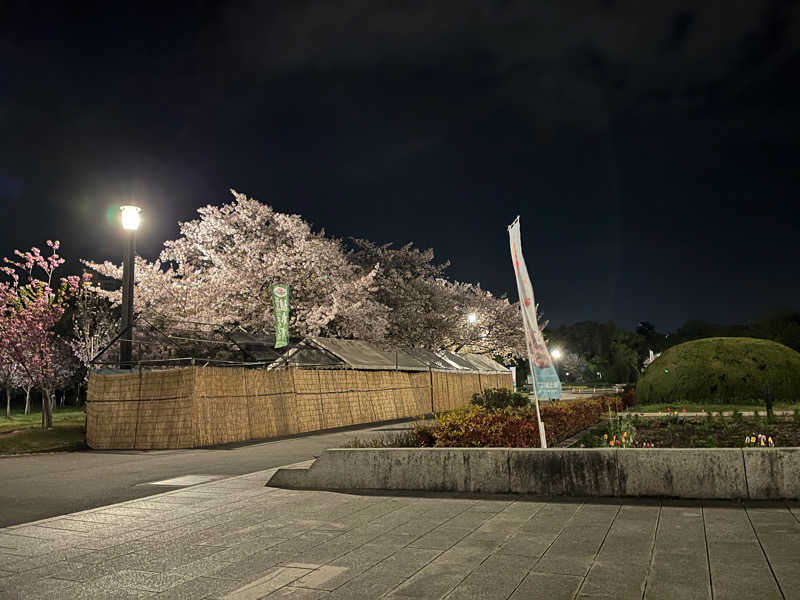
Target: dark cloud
[{"x": 644, "y": 144}]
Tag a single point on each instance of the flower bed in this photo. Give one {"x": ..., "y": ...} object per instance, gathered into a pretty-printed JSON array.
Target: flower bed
[
  {"x": 477, "y": 426},
  {"x": 698, "y": 432}
]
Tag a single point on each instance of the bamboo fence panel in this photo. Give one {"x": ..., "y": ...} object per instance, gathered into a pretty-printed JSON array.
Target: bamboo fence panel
[
  {"x": 111, "y": 410},
  {"x": 194, "y": 406},
  {"x": 308, "y": 402},
  {"x": 441, "y": 399},
  {"x": 455, "y": 390},
  {"x": 470, "y": 383},
  {"x": 336, "y": 399},
  {"x": 361, "y": 408},
  {"x": 220, "y": 406},
  {"x": 270, "y": 403},
  {"x": 380, "y": 398},
  {"x": 164, "y": 411},
  {"x": 421, "y": 385},
  {"x": 405, "y": 395}
]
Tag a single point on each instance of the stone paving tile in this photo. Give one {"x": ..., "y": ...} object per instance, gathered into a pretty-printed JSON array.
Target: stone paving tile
[
  {"x": 496, "y": 578},
  {"x": 573, "y": 552},
  {"x": 252, "y": 567},
  {"x": 296, "y": 593},
  {"x": 621, "y": 566},
  {"x": 27, "y": 546},
  {"x": 265, "y": 585},
  {"x": 738, "y": 565},
  {"x": 680, "y": 547},
  {"x": 527, "y": 544},
  {"x": 103, "y": 543},
  {"x": 614, "y": 580},
  {"x": 547, "y": 585},
  {"x": 343, "y": 569},
  {"x": 173, "y": 556},
  {"x": 367, "y": 586},
  {"x": 432, "y": 581},
  {"x": 104, "y": 518},
  {"x": 404, "y": 564},
  {"x": 342, "y": 546},
  {"x": 127, "y": 579},
  {"x": 44, "y": 589},
  {"x": 551, "y": 518},
  {"x": 17, "y": 563},
  {"x": 469, "y": 519},
  {"x": 439, "y": 539},
  {"x": 200, "y": 587}
]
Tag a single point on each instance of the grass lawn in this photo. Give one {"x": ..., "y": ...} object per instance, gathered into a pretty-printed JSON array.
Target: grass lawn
[
  {"x": 709, "y": 407},
  {"x": 23, "y": 433}
]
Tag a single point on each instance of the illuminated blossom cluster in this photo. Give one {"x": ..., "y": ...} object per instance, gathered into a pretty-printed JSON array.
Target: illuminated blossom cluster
[
  {"x": 30, "y": 307},
  {"x": 219, "y": 271}
]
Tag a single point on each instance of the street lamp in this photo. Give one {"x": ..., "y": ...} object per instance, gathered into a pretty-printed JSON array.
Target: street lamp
[
  {"x": 130, "y": 223},
  {"x": 556, "y": 354}
]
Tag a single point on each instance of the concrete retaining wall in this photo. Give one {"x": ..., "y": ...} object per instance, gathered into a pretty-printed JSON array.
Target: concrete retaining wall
[{"x": 722, "y": 473}]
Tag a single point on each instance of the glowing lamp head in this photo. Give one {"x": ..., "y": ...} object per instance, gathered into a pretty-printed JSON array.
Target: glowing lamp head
[
  {"x": 472, "y": 317},
  {"x": 556, "y": 354},
  {"x": 130, "y": 217}
]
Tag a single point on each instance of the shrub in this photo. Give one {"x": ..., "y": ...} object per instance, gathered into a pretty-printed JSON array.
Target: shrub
[
  {"x": 499, "y": 398},
  {"x": 475, "y": 426},
  {"x": 722, "y": 370}
]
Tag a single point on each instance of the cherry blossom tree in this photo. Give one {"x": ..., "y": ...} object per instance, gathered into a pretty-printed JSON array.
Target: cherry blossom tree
[
  {"x": 94, "y": 325},
  {"x": 428, "y": 310},
  {"x": 30, "y": 307},
  {"x": 487, "y": 324},
  {"x": 220, "y": 269},
  {"x": 413, "y": 288},
  {"x": 9, "y": 381}
]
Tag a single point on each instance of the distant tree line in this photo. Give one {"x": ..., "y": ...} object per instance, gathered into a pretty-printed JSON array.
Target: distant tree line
[{"x": 592, "y": 351}]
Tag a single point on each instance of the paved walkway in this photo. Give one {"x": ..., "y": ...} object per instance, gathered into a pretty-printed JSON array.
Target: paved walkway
[
  {"x": 39, "y": 486},
  {"x": 235, "y": 538}
]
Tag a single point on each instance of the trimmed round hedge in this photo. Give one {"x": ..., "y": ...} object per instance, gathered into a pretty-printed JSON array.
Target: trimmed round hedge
[{"x": 722, "y": 370}]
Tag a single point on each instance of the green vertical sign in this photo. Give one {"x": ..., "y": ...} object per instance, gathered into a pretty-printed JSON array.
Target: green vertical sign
[{"x": 280, "y": 306}]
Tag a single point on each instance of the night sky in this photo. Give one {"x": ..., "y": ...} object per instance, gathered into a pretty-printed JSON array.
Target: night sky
[{"x": 651, "y": 149}]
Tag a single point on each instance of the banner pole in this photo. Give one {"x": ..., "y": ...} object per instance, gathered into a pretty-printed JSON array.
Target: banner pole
[
  {"x": 542, "y": 437},
  {"x": 530, "y": 322}
]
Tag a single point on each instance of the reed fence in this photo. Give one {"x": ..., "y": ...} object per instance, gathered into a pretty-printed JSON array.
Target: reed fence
[{"x": 203, "y": 406}]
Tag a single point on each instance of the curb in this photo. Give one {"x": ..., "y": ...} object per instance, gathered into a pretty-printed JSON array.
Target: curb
[{"x": 697, "y": 473}]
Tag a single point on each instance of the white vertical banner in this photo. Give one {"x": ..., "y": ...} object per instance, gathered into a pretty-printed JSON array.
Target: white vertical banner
[{"x": 545, "y": 378}]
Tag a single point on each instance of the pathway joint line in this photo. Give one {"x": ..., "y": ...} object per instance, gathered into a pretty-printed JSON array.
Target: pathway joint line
[
  {"x": 599, "y": 548},
  {"x": 764, "y": 553},
  {"x": 653, "y": 549},
  {"x": 708, "y": 554}
]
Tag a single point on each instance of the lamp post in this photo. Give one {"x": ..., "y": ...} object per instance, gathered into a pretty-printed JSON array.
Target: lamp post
[{"x": 130, "y": 223}]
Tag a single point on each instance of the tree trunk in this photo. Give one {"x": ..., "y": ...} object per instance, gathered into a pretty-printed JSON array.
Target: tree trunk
[
  {"x": 27, "y": 401},
  {"x": 8, "y": 403},
  {"x": 47, "y": 409},
  {"x": 50, "y": 406}
]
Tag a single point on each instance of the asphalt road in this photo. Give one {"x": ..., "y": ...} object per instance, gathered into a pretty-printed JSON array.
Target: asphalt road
[{"x": 39, "y": 486}]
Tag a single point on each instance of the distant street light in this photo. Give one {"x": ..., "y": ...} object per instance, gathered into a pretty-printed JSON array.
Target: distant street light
[
  {"x": 556, "y": 354},
  {"x": 130, "y": 223},
  {"x": 472, "y": 317}
]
